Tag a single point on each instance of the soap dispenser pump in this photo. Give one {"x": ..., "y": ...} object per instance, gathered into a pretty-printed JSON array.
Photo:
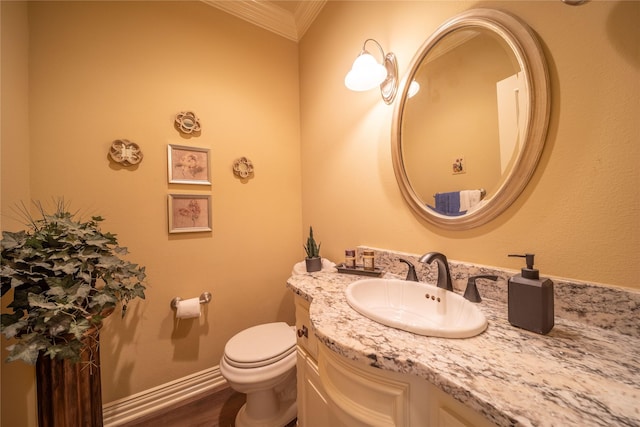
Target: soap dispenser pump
[{"x": 530, "y": 299}]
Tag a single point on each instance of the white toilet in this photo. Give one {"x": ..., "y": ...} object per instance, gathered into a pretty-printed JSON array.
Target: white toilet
[{"x": 261, "y": 362}]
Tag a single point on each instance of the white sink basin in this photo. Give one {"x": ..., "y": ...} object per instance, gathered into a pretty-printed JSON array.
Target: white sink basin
[{"x": 416, "y": 307}]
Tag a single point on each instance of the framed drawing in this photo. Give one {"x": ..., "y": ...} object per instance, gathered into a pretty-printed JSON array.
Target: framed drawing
[
  {"x": 189, "y": 213},
  {"x": 188, "y": 165}
]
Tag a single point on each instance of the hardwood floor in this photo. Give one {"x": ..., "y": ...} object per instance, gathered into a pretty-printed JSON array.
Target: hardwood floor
[{"x": 217, "y": 408}]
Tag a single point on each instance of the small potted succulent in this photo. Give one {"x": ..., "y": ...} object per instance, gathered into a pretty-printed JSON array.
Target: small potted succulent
[{"x": 313, "y": 260}]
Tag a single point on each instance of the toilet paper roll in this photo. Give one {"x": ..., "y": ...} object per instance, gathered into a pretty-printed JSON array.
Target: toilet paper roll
[{"x": 188, "y": 308}]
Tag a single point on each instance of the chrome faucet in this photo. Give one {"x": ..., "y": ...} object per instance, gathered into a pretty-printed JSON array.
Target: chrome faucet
[{"x": 444, "y": 276}]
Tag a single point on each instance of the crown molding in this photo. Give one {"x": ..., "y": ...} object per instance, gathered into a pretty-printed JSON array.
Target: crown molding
[
  {"x": 306, "y": 13},
  {"x": 271, "y": 17}
]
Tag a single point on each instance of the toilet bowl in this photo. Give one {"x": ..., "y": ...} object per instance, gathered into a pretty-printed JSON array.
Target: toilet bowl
[{"x": 261, "y": 362}]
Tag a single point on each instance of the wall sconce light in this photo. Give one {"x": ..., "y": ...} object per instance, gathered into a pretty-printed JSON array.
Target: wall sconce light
[{"x": 367, "y": 73}]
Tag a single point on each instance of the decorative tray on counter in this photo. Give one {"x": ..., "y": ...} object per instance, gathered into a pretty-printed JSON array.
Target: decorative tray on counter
[{"x": 359, "y": 270}]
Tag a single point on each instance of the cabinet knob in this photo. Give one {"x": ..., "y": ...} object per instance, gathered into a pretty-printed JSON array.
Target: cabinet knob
[{"x": 303, "y": 332}]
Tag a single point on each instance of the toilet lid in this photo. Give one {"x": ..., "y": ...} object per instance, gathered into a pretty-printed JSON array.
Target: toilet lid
[{"x": 260, "y": 345}]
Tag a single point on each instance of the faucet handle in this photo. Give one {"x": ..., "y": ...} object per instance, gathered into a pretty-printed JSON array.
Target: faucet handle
[
  {"x": 411, "y": 274},
  {"x": 471, "y": 293}
]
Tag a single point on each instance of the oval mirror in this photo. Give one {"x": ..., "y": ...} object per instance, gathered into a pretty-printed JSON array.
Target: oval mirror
[{"x": 471, "y": 120}]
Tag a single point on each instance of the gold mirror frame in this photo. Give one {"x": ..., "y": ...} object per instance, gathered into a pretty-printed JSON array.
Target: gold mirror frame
[{"x": 528, "y": 52}]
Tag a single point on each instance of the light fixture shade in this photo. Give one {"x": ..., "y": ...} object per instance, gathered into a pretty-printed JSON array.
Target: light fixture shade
[{"x": 366, "y": 73}]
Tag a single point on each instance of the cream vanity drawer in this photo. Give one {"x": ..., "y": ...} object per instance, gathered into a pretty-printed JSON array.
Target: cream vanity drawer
[{"x": 358, "y": 398}]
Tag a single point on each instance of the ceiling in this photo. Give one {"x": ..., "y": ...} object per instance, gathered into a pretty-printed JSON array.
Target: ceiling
[{"x": 289, "y": 19}]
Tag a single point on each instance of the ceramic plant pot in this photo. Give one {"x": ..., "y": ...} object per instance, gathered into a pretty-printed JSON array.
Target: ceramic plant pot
[{"x": 313, "y": 264}]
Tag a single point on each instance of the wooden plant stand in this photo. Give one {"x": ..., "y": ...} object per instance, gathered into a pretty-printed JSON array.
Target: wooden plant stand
[{"x": 69, "y": 394}]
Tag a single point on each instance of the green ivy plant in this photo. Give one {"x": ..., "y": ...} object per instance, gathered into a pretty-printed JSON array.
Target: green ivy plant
[{"x": 66, "y": 276}]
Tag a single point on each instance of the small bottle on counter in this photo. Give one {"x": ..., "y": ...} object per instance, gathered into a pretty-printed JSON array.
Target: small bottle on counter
[
  {"x": 368, "y": 260},
  {"x": 350, "y": 258}
]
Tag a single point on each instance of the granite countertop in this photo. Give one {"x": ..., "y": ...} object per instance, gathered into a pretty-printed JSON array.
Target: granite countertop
[{"x": 577, "y": 375}]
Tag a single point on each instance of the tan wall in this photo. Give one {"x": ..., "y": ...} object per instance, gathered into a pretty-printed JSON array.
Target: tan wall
[
  {"x": 101, "y": 71},
  {"x": 579, "y": 213},
  {"x": 17, "y": 396}
]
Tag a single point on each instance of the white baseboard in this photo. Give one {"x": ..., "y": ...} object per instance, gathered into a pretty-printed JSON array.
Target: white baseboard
[{"x": 124, "y": 410}]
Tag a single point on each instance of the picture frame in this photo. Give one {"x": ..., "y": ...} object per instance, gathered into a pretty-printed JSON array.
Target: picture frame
[
  {"x": 188, "y": 165},
  {"x": 189, "y": 213}
]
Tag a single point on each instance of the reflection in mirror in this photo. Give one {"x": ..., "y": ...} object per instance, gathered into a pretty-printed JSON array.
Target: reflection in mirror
[
  {"x": 473, "y": 73},
  {"x": 467, "y": 141}
]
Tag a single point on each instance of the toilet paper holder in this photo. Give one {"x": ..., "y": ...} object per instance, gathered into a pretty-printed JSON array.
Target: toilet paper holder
[{"x": 205, "y": 297}]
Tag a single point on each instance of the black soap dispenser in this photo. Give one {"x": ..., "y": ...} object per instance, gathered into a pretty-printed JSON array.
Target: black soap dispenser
[{"x": 531, "y": 299}]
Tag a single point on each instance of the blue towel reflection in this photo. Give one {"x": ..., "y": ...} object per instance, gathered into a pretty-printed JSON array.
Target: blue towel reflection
[{"x": 448, "y": 203}]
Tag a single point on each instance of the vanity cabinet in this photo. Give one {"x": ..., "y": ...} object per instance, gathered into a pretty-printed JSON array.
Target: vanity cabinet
[
  {"x": 312, "y": 404},
  {"x": 334, "y": 391}
]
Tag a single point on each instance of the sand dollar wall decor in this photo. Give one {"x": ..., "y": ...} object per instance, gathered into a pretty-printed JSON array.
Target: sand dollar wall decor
[
  {"x": 187, "y": 123},
  {"x": 243, "y": 168},
  {"x": 125, "y": 152}
]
